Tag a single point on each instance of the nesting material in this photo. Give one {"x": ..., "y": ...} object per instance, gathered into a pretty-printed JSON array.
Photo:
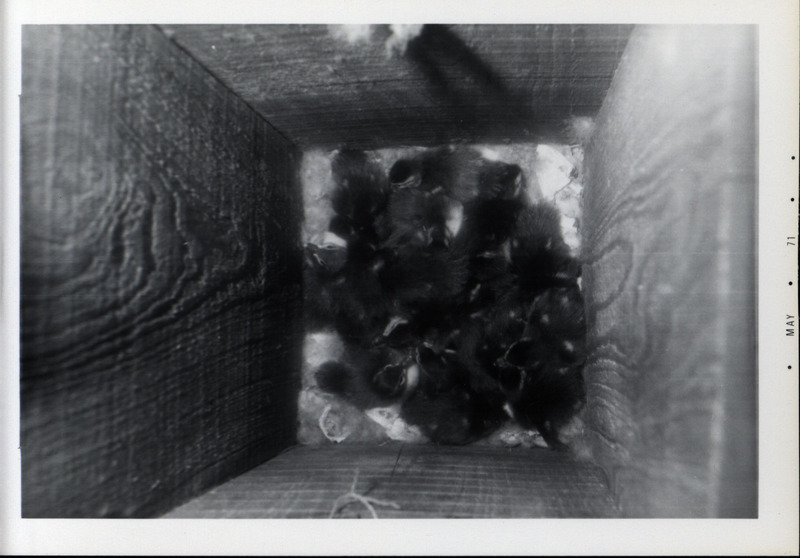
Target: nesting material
[
  {"x": 354, "y": 497},
  {"x": 549, "y": 174}
]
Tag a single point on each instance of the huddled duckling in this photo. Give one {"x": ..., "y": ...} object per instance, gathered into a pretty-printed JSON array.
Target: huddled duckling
[{"x": 542, "y": 372}]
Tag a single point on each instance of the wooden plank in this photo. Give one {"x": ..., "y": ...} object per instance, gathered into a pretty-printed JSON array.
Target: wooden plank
[
  {"x": 670, "y": 281},
  {"x": 471, "y": 83},
  {"x": 160, "y": 291},
  {"x": 421, "y": 480}
]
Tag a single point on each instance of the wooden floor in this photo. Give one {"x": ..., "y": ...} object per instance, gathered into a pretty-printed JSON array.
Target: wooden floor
[{"x": 410, "y": 481}]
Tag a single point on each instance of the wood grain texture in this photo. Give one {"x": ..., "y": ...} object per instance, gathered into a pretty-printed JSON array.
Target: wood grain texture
[
  {"x": 485, "y": 83},
  {"x": 423, "y": 480},
  {"x": 160, "y": 289},
  {"x": 670, "y": 281}
]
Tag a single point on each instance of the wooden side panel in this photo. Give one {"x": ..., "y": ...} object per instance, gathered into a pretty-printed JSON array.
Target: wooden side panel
[
  {"x": 420, "y": 481},
  {"x": 670, "y": 281},
  {"x": 469, "y": 83},
  {"x": 160, "y": 289}
]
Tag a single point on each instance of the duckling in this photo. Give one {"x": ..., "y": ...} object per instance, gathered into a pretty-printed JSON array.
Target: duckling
[
  {"x": 429, "y": 324},
  {"x": 545, "y": 394},
  {"x": 368, "y": 378},
  {"x": 454, "y": 417},
  {"x": 417, "y": 218},
  {"x": 342, "y": 290},
  {"x": 461, "y": 172},
  {"x": 445, "y": 407},
  {"x": 539, "y": 256},
  {"x": 487, "y": 224},
  {"x": 499, "y": 180},
  {"x": 359, "y": 196},
  {"x": 417, "y": 277},
  {"x": 557, "y": 318},
  {"x": 542, "y": 372},
  {"x": 454, "y": 170},
  {"x": 321, "y": 266}
]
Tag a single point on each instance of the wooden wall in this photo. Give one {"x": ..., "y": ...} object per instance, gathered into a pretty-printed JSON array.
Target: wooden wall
[
  {"x": 670, "y": 232},
  {"x": 470, "y": 83},
  {"x": 160, "y": 284}
]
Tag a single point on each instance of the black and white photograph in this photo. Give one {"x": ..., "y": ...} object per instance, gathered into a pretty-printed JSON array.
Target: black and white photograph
[{"x": 538, "y": 268}]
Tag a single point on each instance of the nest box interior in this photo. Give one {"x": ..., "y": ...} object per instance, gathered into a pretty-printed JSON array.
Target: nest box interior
[{"x": 161, "y": 263}]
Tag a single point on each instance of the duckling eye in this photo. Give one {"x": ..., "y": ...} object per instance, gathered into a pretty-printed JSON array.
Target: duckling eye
[{"x": 401, "y": 171}]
